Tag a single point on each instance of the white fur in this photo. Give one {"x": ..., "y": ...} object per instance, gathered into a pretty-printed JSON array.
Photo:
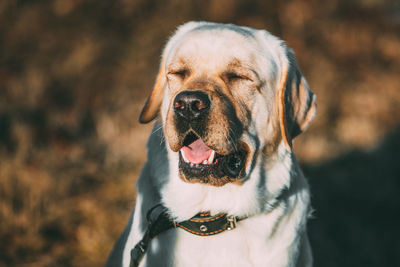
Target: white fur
[
  {"x": 134, "y": 234},
  {"x": 271, "y": 236},
  {"x": 274, "y": 197}
]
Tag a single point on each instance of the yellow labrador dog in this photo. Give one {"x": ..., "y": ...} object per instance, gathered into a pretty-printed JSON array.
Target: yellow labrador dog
[{"x": 221, "y": 185}]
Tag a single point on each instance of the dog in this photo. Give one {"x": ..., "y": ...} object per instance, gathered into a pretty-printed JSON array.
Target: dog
[{"x": 221, "y": 180}]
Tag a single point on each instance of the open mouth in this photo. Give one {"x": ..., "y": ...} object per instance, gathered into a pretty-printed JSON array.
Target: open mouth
[{"x": 198, "y": 161}]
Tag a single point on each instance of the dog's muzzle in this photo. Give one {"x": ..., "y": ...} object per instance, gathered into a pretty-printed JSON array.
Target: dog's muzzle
[{"x": 197, "y": 161}]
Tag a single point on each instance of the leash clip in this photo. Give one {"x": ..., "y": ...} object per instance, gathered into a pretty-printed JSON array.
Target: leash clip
[{"x": 232, "y": 222}]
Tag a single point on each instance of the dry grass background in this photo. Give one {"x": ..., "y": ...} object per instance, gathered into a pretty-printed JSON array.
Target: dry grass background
[{"x": 74, "y": 75}]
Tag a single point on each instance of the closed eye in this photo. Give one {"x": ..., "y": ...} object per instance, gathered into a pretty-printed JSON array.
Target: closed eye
[
  {"x": 232, "y": 76},
  {"x": 179, "y": 73}
]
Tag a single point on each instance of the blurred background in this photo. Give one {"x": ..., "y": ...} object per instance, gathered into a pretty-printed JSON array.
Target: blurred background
[{"x": 74, "y": 75}]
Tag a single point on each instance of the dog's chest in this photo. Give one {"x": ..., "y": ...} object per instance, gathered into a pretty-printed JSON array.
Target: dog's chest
[
  {"x": 247, "y": 245},
  {"x": 232, "y": 248}
]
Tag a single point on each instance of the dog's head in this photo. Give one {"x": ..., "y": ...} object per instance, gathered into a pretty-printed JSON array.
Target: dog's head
[{"x": 227, "y": 94}]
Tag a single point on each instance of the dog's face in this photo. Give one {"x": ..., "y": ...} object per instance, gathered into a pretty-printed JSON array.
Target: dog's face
[
  {"x": 227, "y": 98},
  {"x": 210, "y": 106}
]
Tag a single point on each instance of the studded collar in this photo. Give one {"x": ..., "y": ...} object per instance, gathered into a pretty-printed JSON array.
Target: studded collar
[{"x": 202, "y": 224}]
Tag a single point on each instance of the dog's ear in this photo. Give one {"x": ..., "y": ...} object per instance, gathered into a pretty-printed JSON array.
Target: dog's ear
[
  {"x": 153, "y": 102},
  {"x": 297, "y": 104}
]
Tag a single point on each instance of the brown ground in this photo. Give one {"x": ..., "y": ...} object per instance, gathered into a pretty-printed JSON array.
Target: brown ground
[{"x": 73, "y": 78}]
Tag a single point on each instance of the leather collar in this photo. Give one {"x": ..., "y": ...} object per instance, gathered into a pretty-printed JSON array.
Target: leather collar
[{"x": 202, "y": 224}]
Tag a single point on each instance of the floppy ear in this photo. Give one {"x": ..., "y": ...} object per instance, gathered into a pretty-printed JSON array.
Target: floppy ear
[
  {"x": 153, "y": 102},
  {"x": 297, "y": 104}
]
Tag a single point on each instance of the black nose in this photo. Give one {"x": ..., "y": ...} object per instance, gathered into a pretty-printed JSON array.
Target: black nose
[{"x": 191, "y": 105}]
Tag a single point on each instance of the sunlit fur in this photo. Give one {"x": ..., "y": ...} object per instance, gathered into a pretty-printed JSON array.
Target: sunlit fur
[{"x": 273, "y": 193}]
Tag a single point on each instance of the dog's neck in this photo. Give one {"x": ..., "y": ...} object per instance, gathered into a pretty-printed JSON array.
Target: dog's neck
[{"x": 185, "y": 200}]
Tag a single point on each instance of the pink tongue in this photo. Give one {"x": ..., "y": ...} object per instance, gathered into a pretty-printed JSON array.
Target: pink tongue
[{"x": 197, "y": 152}]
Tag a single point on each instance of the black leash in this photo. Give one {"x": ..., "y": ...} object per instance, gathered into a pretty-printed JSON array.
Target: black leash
[
  {"x": 203, "y": 224},
  {"x": 154, "y": 228}
]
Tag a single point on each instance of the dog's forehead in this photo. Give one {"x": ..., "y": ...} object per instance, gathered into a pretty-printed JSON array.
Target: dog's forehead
[{"x": 204, "y": 45}]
